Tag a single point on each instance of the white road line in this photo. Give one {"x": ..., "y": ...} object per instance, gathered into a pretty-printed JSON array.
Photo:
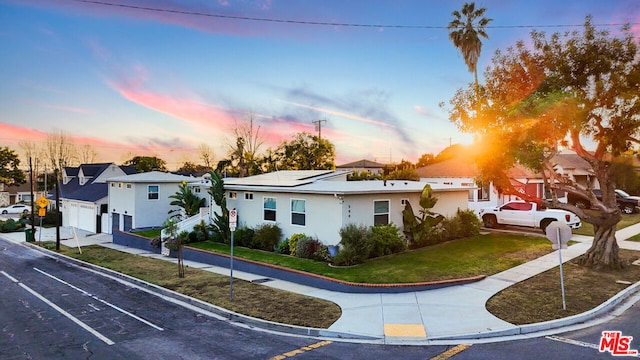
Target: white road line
[
  {"x": 573, "y": 342},
  {"x": 10, "y": 277},
  {"x": 98, "y": 299},
  {"x": 61, "y": 311}
]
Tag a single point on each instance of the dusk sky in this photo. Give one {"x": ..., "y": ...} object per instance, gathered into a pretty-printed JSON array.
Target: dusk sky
[{"x": 129, "y": 80}]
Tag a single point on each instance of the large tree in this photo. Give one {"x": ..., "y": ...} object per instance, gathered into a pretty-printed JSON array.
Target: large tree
[
  {"x": 577, "y": 90},
  {"x": 60, "y": 150},
  {"x": 304, "y": 152},
  {"x": 147, "y": 163},
  {"x": 465, "y": 31},
  {"x": 10, "y": 173}
]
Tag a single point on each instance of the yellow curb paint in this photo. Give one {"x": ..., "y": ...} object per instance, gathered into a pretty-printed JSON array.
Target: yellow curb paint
[
  {"x": 301, "y": 350},
  {"x": 404, "y": 330}
]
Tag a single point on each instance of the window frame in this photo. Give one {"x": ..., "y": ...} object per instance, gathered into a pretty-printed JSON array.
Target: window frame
[
  {"x": 387, "y": 214},
  {"x": 157, "y": 192},
  {"x": 266, "y": 210},
  {"x": 302, "y": 214}
]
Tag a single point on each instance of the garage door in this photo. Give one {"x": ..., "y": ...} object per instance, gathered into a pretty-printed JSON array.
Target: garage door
[{"x": 87, "y": 218}]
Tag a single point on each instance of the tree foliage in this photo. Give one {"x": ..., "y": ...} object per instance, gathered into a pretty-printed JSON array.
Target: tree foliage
[
  {"x": 465, "y": 31},
  {"x": 187, "y": 200},
  {"x": 303, "y": 152},
  {"x": 147, "y": 163},
  {"x": 220, "y": 220},
  {"x": 558, "y": 92},
  {"x": 10, "y": 173},
  {"x": 419, "y": 228}
]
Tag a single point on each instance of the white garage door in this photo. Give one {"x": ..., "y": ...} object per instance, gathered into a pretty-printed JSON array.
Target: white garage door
[{"x": 80, "y": 216}]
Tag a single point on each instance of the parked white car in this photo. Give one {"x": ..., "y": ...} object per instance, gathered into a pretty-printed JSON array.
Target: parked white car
[
  {"x": 15, "y": 209},
  {"x": 523, "y": 213}
]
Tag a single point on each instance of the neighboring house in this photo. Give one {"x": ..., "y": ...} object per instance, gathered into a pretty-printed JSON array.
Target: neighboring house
[
  {"x": 320, "y": 202},
  {"x": 461, "y": 173},
  {"x": 83, "y": 194},
  {"x": 142, "y": 200},
  {"x": 18, "y": 193},
  {"x": 362, "y": 165}
]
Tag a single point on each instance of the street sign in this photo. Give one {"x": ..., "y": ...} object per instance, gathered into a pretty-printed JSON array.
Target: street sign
[
  {"x": 233, "y": 219},
  {"x": 42, "y": 202},
  {"x": 559, "y": 234},
  {"x": 42, "y": 211}
]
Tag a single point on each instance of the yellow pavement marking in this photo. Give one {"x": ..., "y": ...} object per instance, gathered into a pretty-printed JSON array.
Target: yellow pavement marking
[
  {"x": 451, "y": 352},
  {"x": 301, "y": 350},
  {"x": 405, "y": 330}
]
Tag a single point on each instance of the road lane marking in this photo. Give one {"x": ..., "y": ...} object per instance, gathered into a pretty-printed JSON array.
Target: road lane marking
[
  {"x": 301, "y": 350},
  {"x": 98, "y": 299},
  {"x": 61, "y": 311},
  {"x": 573, "y": 342},
  {"x": 451, "y": 352}
]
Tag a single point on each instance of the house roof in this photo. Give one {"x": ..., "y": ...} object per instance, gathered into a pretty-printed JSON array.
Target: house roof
[
  {"x": 321, "y": 182},
  {"x": 92, "y": 190},
  {"x": 452, "y": 168},
  {"x": 361, "y": 164},
  {"x": 153, "y": 177},
  {"x": 286, "y": 178}
]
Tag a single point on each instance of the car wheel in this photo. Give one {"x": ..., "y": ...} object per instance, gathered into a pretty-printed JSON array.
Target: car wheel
[
  {"x": 489, "y": 221},
  {"x": 627, "y": 209},
  {"x": 4, "y": 212},
  {"x": 544, "y": 224},
  {"x": 25, "y": 211}
]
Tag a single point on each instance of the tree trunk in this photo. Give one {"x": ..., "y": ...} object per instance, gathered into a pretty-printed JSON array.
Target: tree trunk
[
  {"x": 180, "y": 263},
  {"x": 603, "y": 253}
]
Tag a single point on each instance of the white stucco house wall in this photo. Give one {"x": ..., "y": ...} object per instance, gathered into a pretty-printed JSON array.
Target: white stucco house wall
[
  {"x": 320, "y": 202},
  {"x": 142, "y": 200}
]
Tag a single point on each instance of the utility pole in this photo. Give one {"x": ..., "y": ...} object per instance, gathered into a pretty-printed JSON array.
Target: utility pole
[{"x": 318, "y": 124}]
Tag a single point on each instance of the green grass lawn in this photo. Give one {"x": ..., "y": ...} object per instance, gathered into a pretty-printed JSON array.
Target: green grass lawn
[
  {"x": 478, "y": 255},
  {"x": 627, "y": 220},
  {"x": 152, "y": 233}
]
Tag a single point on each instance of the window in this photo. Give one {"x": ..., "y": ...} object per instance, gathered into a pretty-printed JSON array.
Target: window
[
  {"x": 153, "y": 192},
  {"x": 196, "y": 189},
  {"x": 233, "y": 195},
  {"x": 404, "y": 202},
  {"x": 519, "y": 206},
  {"x": 113, "y": 184},
  {"x": 269, "y": 209},
  {"x": 128, "y": 186},
  {"x": 381, "y": 212},
  {"x": 298, "y": 212},
  {"x": 483, "y": 191},
  {"x": 248, "y": 196},
  {"x": 120, "y": 185}
]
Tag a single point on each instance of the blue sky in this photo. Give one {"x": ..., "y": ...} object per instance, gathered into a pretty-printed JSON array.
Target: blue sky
[{"x": 131, "y": 81}]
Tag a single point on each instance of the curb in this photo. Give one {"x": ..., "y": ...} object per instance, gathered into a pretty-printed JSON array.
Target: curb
[
  {"x": 529, "y": 329},
  {"x": 216, "y": 311}
]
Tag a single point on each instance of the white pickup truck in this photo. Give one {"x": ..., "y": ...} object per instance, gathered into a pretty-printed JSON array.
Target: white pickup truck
[{"x": 521, "y": 213}]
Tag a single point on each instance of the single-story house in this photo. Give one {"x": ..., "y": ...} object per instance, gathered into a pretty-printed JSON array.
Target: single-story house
[
  {"x": 83, "y": 194},
  {"x": 320, "y": 202},
  {"x": 142, "y": 200},
  {"x": 13, "y": 194}
]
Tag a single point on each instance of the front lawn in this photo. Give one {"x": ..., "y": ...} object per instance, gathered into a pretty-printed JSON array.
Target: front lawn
[
  {"x": 627, "y": 220},
  {"x": 478, "y": 255}
]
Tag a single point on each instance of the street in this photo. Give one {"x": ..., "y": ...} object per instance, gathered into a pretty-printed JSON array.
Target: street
[{"x": 53, "y": 310}]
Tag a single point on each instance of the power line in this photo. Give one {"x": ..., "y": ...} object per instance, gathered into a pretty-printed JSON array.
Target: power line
[{"x": 323, "y": 23}]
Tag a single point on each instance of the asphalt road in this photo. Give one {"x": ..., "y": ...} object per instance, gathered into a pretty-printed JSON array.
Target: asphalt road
[{"x": 52, "y": 310}]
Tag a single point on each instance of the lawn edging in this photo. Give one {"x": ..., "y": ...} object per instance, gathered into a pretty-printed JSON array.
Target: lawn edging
[{"x": 313, "y": 280}]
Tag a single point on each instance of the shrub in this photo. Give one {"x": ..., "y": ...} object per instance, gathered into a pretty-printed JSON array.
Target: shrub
[
  {"x": 293, "y": 240},
  {"x": 322, "y": 254},
  {"x": 266, "y": 237},
  {"x": 283, "y": 247},
  {"x": 386, "y": 240},
  {"x": 156, "y": 242},
  {"x": 9, "y": 226},
  {"x": 193, "y": 237},
  {"x": 464, "y": 224},
  {"x": 345, "y": 257},
  {"x": 243, "y": 236},
  {"x": 307, "y": 246},
  {"x": 356, "y": 244},
  {"x": 202, "y": 231}
]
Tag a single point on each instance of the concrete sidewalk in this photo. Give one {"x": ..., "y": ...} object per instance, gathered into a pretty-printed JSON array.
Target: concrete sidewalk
[{"x": 445, "y": 315}]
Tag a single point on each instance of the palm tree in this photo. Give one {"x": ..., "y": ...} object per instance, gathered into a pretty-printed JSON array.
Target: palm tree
[{"x": 465, "y": 31}]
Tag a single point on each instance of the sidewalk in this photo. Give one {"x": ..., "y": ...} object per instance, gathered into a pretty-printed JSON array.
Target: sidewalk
[{"x": 445, "y": 315}]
